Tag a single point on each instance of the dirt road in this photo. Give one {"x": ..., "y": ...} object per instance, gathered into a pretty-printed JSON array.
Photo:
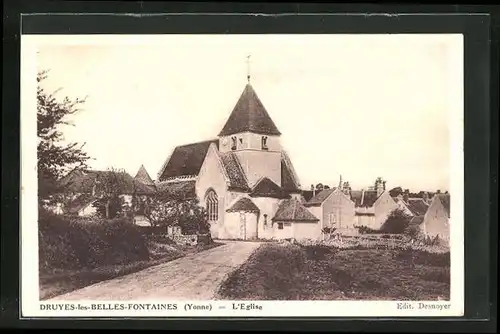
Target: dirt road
[{"x": 194, "y": 277}]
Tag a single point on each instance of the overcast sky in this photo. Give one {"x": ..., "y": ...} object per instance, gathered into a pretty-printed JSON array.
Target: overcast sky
[{"x": 358, "y": 105}]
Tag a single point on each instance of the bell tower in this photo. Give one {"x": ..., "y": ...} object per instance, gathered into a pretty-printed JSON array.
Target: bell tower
[{"x": 252, "y": 136}]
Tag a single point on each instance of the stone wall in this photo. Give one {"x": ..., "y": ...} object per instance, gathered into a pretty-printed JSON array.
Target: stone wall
[{"x": 190, "y": 240}]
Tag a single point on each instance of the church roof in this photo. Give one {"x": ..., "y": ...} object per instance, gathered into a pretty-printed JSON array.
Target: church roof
[
  {"x": 288, "y": 181},
  {"x": 186, "y": 160},
  {"x": 249, "y": 115},
  {"x": 267, "y": 188},
  {"x": 237, "y": 179},
  {"x": 178, "y": 190},
  {"x": 292, "y": 210},
  {"x": 244, "y": 204}
]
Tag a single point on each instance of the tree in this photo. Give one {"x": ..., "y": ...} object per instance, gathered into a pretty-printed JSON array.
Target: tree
[
  {"x": 54, "y": 157},
  {"x": 165, "y": 210},
  {"x": 397, "y": 222},
  {"x": 109, "y": 185},
  {"x": 394, "y": 192},
  {"x": 319, "y": 187}
]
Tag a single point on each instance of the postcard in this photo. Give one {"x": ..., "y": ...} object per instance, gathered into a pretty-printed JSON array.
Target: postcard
[{"x": 242, "y": 175}]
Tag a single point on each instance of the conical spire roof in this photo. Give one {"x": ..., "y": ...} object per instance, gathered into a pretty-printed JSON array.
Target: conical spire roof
[
  {"x": 249, "y": 115},
  {"x": 143, "y": 176}
]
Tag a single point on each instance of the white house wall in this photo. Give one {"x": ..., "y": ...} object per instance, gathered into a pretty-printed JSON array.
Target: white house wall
[
  {"x": 307, "y": 230},
  {"x": 267, "y": 206},
  {"x": 436, "y": 221},
  {"x": 384, "y": 205}
]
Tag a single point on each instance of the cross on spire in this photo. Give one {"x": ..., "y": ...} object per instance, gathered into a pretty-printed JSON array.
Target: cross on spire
[{"x": 248, "y": 68}]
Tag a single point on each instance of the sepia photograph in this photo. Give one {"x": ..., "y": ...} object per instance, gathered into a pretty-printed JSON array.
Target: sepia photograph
[{"x": 243, "y": 169}]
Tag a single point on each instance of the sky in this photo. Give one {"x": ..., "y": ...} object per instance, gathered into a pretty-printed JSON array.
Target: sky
[{"x": 360, "y": 106}]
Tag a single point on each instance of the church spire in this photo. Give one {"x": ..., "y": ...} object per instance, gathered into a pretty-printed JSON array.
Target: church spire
[{"x": 248, "y": 68}]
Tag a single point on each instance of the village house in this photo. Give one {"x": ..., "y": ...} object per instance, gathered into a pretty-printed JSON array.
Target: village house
[
  {"x": 82, "y": 188},
  {"x": 345, "y": 210},
  {"x": 436, "y": 221},
  {"x": 413, "y": 206}
]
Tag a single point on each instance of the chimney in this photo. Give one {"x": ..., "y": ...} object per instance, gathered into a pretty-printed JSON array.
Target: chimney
[
  {"x": 406, "y": 195},
  {"x": 379, "y": 186},
  {"x": 346, "y": 189},
  {"x": 425, "y": 197},
  {"x": 313, "y": 189},
  {"x": 362, "y": 197}
]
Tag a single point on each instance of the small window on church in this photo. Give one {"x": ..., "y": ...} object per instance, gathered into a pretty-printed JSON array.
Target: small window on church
[
  {"x": 241, "y": 140},
  {"x": 264, "y": 143},
  {"x": 280, "y": 226},
  {"x": 233, "y": 143},
  {"x": 265, "y": 219}
]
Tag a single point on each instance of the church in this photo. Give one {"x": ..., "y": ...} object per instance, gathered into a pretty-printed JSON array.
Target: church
[{"x": 243, "y": 177}]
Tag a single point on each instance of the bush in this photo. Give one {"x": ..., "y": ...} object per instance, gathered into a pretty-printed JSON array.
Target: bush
[
  {"x": 75, "y": 243},
  {"x": 366, "y": 230},
  {"x": 396, "y": 223}
]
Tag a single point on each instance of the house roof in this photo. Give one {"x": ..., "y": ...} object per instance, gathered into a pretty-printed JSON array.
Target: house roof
[
  {"x": 143, "y": 176},
  {"x": 308, "y": 194},
  {"x": 292, "y": 210},
  {"x": 234, "y": 171},
  {"x": 320, "y": 197},
  {"x": 417, "y": 206},
  {"x": 144, "y": 189},
  {"x": 83, "y": 181},
  {"x": 267, "y": 188},
  {"x": 178, "y": 190},
  {"x": 445, "y": 200},
  {"x": 186, "y": 159},
  {"x": 244, "y": 204},
  {"x": 417, "y": 220},
  {"x": 79, "y": 203},
  {"x": 365, "y": 200},
  {"x": 249, "y": 115}
]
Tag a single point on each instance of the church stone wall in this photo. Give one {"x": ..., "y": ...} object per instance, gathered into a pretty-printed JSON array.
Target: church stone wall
[
  {"x": 258, "y": 164},
  {"x": 211, "y": 177}
]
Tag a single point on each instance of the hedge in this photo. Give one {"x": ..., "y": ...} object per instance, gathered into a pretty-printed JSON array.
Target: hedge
[{"x": 67, "y": 242}]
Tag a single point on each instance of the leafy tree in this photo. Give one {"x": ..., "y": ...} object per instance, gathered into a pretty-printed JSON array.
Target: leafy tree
[
  {"x": 108, "y": 188},
  {"x": 397, "y": 222},
  {"x": 54, "y": 157},
  {"x": 164, "y": 210},
  {"x": 394, "y": 192}
]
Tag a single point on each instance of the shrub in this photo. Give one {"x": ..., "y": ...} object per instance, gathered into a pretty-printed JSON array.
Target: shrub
[
  {"x": 366, "y": 230},
  {"x": 396, "y": 223},
  {"x": 75, "y": 243}
]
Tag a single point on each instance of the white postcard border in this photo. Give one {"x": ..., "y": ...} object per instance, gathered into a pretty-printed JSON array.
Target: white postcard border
[{"x": 32, "y": 307}]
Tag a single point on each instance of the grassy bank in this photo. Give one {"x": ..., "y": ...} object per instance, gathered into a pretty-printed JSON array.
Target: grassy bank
[
  {"x": 76, "y": 252},
  {"x": 297, "y": 272}
]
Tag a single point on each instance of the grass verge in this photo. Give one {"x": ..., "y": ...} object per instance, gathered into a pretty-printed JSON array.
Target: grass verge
[{"x": 295, "y": 272}]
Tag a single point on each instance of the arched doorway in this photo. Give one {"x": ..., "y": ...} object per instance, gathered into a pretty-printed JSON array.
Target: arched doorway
[{"x": 212, "y": 206}]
